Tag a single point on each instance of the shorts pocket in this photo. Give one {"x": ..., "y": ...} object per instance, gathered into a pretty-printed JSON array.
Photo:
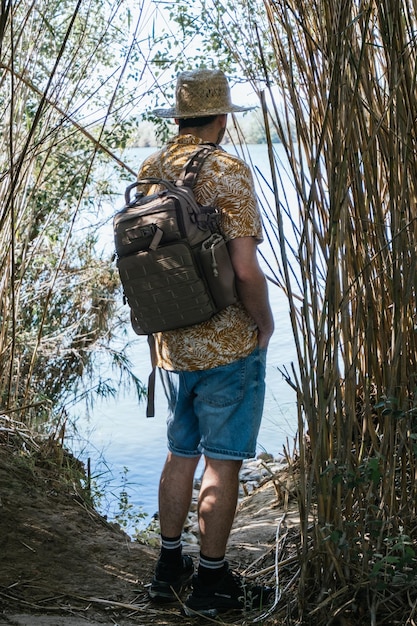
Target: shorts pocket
[{"x": 224, "y": 385}]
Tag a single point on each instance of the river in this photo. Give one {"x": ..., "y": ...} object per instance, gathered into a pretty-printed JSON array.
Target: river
[{"x": 127, "y": 450}]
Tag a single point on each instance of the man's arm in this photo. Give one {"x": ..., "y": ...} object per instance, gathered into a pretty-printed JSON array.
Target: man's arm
[{"x": 251, "y": 286}]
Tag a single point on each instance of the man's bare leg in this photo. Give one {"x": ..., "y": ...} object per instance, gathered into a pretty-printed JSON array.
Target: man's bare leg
[
  {"x": 216, "y": 588},
  {"x": 175, "y": 493},
  {"x": 217, "y": 505},
  {"x": 173, "y": 570}
]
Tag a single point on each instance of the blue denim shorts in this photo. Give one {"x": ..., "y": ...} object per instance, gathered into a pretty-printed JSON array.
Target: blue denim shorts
[{"x": 217, "y": 412}]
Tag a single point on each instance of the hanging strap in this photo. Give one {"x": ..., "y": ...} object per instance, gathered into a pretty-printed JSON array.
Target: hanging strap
[{"x": 150, "y": 406}]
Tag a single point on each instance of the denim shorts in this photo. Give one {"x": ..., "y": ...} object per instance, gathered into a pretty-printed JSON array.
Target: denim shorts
[{"x": 217, "y": 412}]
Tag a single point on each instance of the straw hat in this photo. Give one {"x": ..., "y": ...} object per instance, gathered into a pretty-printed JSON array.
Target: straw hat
[{"x": 200, "y": 93}]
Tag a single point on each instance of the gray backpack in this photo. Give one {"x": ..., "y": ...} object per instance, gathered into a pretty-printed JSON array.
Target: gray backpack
[{"x": 173, "y": 261}]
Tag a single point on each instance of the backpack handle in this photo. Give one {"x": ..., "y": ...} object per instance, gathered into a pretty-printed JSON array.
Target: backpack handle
[{"x": 145, "y": 181}]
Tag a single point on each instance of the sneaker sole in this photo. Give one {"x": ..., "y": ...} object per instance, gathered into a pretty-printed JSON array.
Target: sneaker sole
[
  {"x": 200, "y": 613},
  {"x": 168, "y": 594},
  {"x": 215, "y": 611},
  {"x": 158, "y": 596}
]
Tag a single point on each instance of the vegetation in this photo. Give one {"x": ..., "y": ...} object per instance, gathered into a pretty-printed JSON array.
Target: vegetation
[
  {"x": 60, "y": 120},
  {"x": 251, "y": 126}
]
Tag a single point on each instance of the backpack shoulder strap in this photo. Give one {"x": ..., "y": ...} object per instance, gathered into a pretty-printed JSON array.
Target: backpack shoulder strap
[{"x": 192, "y": 168}]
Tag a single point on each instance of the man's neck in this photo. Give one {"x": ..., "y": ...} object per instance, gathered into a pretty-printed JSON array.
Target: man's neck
[{"x": 212, "y": 133}]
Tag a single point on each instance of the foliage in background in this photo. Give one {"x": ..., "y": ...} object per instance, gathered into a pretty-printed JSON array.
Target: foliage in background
[
  {"x": 66, "y": 104},
  {"x": 251, "y": 126},
  {"x": 343, "y": 73}
]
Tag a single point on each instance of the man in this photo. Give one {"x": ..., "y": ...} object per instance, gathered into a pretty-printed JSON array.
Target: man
[{"x": 219, "y": 364}]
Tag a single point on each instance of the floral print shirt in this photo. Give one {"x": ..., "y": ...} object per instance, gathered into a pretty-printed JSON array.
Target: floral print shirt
[{"x": 224, "y": 181}]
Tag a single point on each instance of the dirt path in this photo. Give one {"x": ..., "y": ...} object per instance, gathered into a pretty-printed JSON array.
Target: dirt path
[{"x": 62, "y": 564}]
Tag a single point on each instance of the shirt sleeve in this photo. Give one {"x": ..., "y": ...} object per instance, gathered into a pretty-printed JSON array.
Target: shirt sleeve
[
  {"x": 237, "y": 199},
  {"x": 149, "y": 169}
]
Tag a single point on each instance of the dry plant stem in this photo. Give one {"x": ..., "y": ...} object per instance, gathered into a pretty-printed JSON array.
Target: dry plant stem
[{"x": 94, "y": 141}]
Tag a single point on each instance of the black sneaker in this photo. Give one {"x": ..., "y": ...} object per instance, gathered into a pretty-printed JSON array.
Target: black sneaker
[
  {"x": 169, "y": 581},
  {"x": 229, "y": 593}
]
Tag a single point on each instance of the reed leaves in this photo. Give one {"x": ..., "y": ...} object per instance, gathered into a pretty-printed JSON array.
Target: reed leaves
[
  {"x": 345, "y": 73},
  {"x": 346, "y": 77}
]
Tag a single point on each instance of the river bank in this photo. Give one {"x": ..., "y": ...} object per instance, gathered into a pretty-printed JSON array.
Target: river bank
[{"x": 64, "y": 564}]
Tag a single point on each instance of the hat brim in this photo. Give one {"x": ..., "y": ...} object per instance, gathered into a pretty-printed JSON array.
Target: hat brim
[{"x": 173, "y": 113}]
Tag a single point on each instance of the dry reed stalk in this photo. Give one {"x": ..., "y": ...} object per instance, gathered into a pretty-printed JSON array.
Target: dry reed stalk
[{"x": 345, "y": 73}]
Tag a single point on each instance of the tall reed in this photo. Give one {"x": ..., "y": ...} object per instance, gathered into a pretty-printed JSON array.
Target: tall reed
[{"x": 344, "y": 76}]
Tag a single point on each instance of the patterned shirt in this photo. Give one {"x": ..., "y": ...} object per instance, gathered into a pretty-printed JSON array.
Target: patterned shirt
[{"x": 224, "y": 181}]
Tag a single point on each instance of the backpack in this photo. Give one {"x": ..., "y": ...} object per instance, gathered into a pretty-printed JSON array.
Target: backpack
[{"x": 172, "y": 258}]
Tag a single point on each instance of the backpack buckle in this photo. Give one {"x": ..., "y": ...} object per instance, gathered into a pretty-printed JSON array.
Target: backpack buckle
[{"x": 156, "y": 240}]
